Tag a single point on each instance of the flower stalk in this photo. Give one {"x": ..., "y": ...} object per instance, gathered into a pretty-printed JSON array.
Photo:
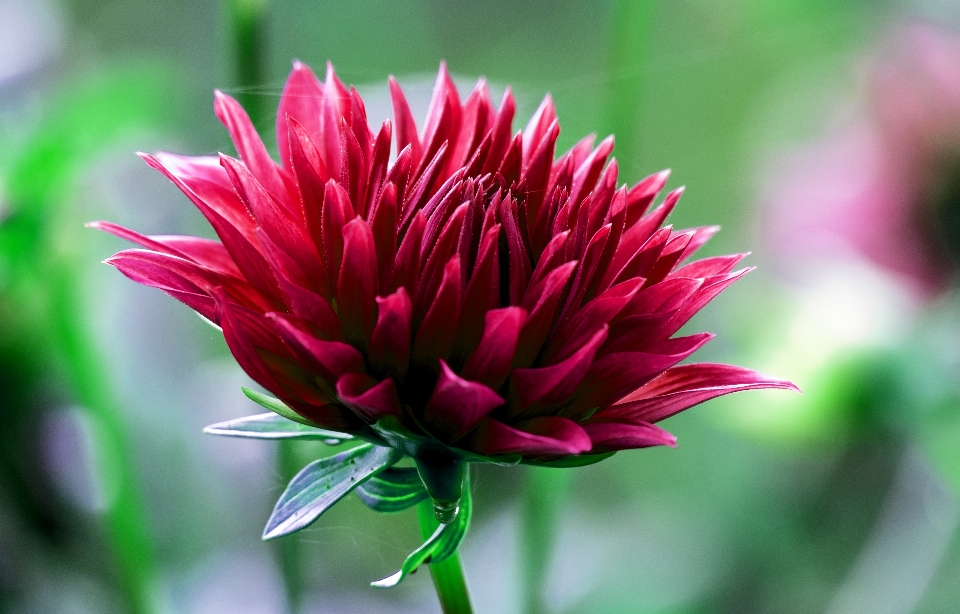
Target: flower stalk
[{"x": 448, "y": 577}]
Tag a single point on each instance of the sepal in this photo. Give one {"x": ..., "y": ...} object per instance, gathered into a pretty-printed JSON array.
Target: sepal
[
  {"x": 275, "y": 405},
  {"x": 324, "y": 482},
  {"x": 578, "y": 460},
  {"x": 274, "y": 426},
  {"x": 444, "y": 542},
  {"x": 392, "y": 490}
]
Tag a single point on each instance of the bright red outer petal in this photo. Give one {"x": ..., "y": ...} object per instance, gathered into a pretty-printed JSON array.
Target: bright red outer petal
[
  {"x": 390, "y": 341},
  {"x": 683, "y": 387},
  {"x": 302, "y": 101},
  {"x": 369, "y": 399},
  {"x": 614, "y": 375},
  {"x": 141, "y": 268},
  {"x": 457, "y": 405},
  {"x": 248, "y": 144},
  {"x": 612, "y": 436},
  {"x": 357, "y": 286},
  {"x": 406, "y": 126},
  {"x": 716, "y": 265},
  {"x": 490, "y": 362},
  {"x": 532, "y": 390},
  {"x": 542, "y": 436}
]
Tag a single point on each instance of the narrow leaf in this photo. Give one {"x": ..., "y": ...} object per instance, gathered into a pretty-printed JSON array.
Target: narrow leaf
[
  {"x": 274, "y": 426},
  {"x": 324, "y": 482}
]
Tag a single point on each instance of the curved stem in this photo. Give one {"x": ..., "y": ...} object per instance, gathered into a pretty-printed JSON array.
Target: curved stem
[{"x": 448, "y": 578}]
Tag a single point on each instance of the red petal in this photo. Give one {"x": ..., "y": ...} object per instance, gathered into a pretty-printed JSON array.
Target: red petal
[
  {"x": 155, "y": 270},
  {"x": 482, "y": 294},
  {"x": 301, "y": 101},
  {"x": 435, "y": 337},
  {"x": 587, "y": 174},
  {"x": 367, "y": 398},
  {"x": 357, "y": 287},
  {"x": 520, "y": 267},
  {"x": 490, "y": 362},
  {"x": 406, "y": 126},
  {"x": 718, "y": 265},
  {"x": 593, "y": 316},
  {"x": 613, "y": 436},
  {"x": 328, "y": 359},
  {"x": 538, "y": 126},
  {"x": 337, "y": 211},
  {"x": 535, "y": 390},
  {"x": 612, "y": 376},
  {"x": 311, "y": 175},
  {"x": 406, "y": 268},
  {"x": 683, "y": 387},
  {"x": 390, "y": 342},
  {"x": 641, "y": 196},
  {"x": 543, "y": 436},
  {"x": 457, "y": 405},
  {"x": 384, "y": 226},
  {"x": 542, "y": 306},
  {"x": 501, "y": 131},
  {"x": 249, "y": 145}
]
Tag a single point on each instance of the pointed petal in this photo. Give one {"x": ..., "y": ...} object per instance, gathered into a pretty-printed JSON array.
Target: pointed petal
[
  {"x": 490, "y": 362},
  {"x": 248, "y": 144},
  {"x": 435, "y": 337},
  {"x": 612, "y": 436},
  {"x": 457, "y": 405},
  {"x": 535, "y": 390},
  {"x": 683, "y": 387},
  {"x": 357, "y": 286},
  {"x": 301, "y": 101},
  {"x": 390, "y": 342},
  {"x": 543, "y": 436},
  {"x": 369, "y": 399},
  {"x": 328, "y": 359}
]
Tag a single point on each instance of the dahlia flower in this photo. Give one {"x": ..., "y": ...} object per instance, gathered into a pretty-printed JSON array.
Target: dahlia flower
[{"x": 476, "y": 299}]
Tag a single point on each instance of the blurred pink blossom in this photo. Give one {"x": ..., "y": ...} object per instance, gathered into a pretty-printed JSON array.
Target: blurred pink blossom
[{"x": 885, "y": 183}]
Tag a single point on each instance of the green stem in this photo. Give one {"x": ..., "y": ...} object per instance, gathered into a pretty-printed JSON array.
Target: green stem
[
  {"x": 543, "y": 495},
  {"x": 448, "y": 578}
]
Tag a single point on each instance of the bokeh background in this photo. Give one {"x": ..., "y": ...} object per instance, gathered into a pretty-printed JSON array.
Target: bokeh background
[{"x": 823, "y": 135}]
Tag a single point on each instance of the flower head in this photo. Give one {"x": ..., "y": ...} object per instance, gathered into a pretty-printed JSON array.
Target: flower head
[{"x": 476, "y": 298}]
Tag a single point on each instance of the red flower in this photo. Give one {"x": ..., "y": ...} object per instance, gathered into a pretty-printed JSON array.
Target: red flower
[{"x": 475, "y": 298}]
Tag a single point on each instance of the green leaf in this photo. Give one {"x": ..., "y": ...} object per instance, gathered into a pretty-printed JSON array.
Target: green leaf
[
  {"x": 580, "y": 460},
  {"x": 273, "y": 426},
  {"x": 275, "y": 405},
  {"x": 324, "y": 482},
  {"x": 443, "y": 543},
  {"x": 392, "y": 490}
]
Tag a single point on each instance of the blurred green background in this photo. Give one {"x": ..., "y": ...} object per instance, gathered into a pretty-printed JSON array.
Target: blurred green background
[{"x": 842, "y": 500}]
